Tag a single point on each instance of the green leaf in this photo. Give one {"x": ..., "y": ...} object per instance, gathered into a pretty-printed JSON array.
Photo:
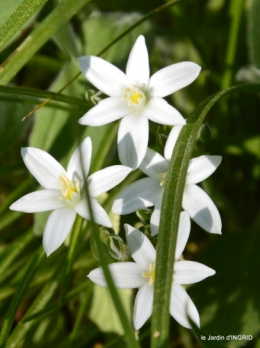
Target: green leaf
[
  {"x": 28, "y": 273},
  {"x": 105, "y": 316},
  {"x": 170, "y": 213},
  {"x": 61, "y": 14},
  {"x": 17, "y": 19}
]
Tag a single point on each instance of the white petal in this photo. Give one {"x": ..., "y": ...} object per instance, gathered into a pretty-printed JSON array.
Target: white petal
[
  {"x": 172, "y": 78},
  {"x": 57, "y": 229},
  {"x": 106, "y": 111},
  {"x": 79, "y": 163},
  {"x": 156, "y": 215},
  {"x": 43, "y": 167},
  {"x": 132, "y": 140},
  {"x": 153, "y": 164},
  {"x": 140, "y": 194},
  {"x": 103, "y": 75},
  {"x": 100, "y": 215},
  {"x": 105, "y": 179},
  {"x": 126, "y": 275},
  {"x": 39, "y": 201},
  {"x": 171, "y": 141},
  {"x": 181, "y": 307},
  {"x": 183, "y": 234},
  {"x": 137, "y": 69},
  {"x": 201, "y": 209},
  {"x": 143, "y": 305},
  {"x": 200, "y": 168},
  {"x": 189, "y": 272},
  {"x": 159, "y": 111},
  {"x": 141, "y": 249}
]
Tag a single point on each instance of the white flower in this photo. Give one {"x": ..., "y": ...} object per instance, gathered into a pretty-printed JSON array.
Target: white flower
[
  {"x": 149, "y": 191},
  {"x": 64, "y": 191},
  {"x": 135, "y": 98},
  {"x": 141, "y": 274}
]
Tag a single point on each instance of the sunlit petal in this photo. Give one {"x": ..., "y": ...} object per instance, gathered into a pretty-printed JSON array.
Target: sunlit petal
[
  {"x": 201, "y": 209},
  {"x": 57, "y": 228},
  {"x": 132, "y": 140},
  {"x": 171, "y": 141},
  {"x": 79, "y": 163},
  {"x": 106, "y": 111},
  {"x": 126, "y": 275},
  {"x": 43, "y": 200},
  {"x": 140, "y": 194},
  {"x": 43, "y": 167},
  {"x": 105, "y": 179},
  {"x": 156, "y": 215},
  {"x": 188, "y": 272},
  {"x": 141, "y": 249},
  {"x": 103, "y": 75},
  {"x": 100, "y": 215},
  {"x": 200, "y": 168},
  {"x": 153, "y": 164},
  {"x": 159, "y": 111},
  {"x": 172, "y": 78},
  {"x": 137, "y": 69},
  {"x": 143, "y": 305},
  {"x": 181, "y": 306},
  {"x": 183, "y": 234}
]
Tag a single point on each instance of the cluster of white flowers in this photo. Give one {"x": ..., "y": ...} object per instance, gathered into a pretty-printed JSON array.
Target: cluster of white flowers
[{"x": 136, "y": 98}]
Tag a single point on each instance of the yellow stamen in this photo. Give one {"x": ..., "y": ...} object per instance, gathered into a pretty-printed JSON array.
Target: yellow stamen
[
  {"x": 134, "y": 96},
  {"x": 67, "y": 187},
  {"x": 150, "y": 274}
]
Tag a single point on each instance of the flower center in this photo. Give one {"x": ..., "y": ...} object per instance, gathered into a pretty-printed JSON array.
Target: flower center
[
  {"x": 150, "y": 274},
  {"x": 162, "y": 178},
  {"x": 134, "y": 96},
  {"x": 67, "y": 187}
]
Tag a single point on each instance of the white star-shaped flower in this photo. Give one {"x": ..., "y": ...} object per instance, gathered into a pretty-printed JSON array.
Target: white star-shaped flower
[
  {"x": 141, "y": 274},
  {"x": 64, "y": 191},
  {"x": 135, "y": 97},
  {"x": 149, "y": 191}
]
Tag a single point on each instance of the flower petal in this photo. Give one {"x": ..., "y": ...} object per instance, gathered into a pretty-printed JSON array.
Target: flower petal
[
  {"x": 143, "y": 305},
  {"x": 79, "y": 163},
  {"x": 181, "y": 306},
  {"x": 172, "y": 78},
  {"x": 137, "y": 69},
  {"x": 200, "y": 168},
  {"x": 39, "y": 201},
  {"x": 141, "y": 249},
  {"x": 57, "y": 228},
  {"x": 201, "y": 209},
  {"x": 132, "y": 140},
  {"x": 183, "y": 234},
  {"x": 106, "y": 111},
  {"x": 99, "y": 213},
  {"x": 105, "y": 179},
  {"x": 189, "y": 272},
  {"x": 140, "y": 194},
  {"x": 153, "y": 164},
  {"x": 126, "y": 275},
  {"x": 171, "y": 141},
  {"x": 159, "y": 111},
  {"x": 156, "y": 215},
  {"x": 43, "y": 167},
  {"x": 103, "y": 75}
]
